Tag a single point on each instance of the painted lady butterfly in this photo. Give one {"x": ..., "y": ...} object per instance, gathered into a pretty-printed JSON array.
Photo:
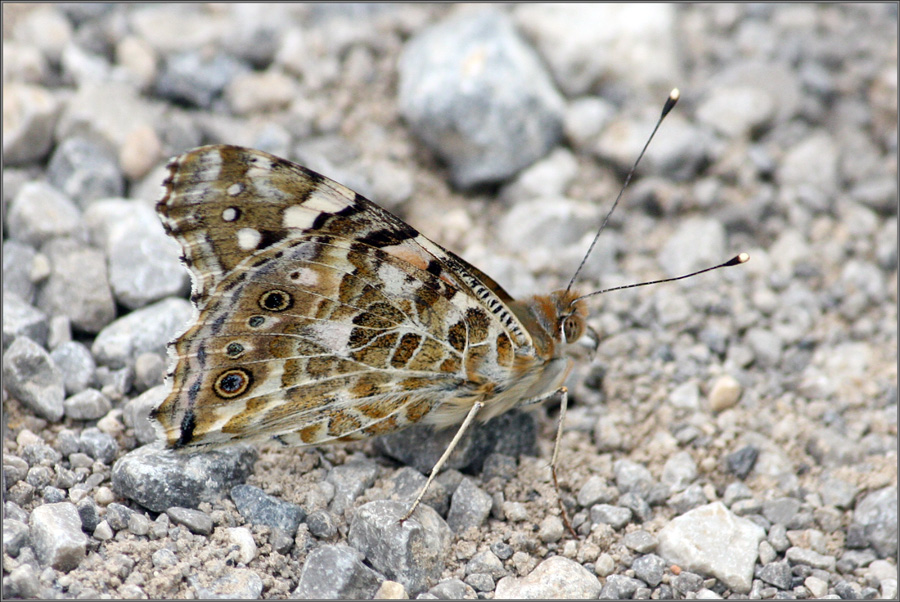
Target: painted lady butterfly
[{"x": 324, "y": 318}]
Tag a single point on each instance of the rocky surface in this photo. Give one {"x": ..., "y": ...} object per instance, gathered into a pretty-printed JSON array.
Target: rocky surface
[{"x": 735, "y": 434}]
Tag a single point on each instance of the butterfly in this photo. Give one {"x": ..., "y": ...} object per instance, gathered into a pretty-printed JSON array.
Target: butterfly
[{"x": 321, "y": 317}]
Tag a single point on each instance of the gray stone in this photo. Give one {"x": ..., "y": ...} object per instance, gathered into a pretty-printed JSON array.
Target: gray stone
[
  {"x": 23, "y": 582},
  {"x": 56, "y": 536},
  {"x": 14, "y": 469},
  {"x": 412, "y": 552},
  {"x": 735, "y": 492},
  {"x": 149, "y": 369},
  {"x": 798, "y": 555},
  {"x": 89, "y": 514},
  {"x": 713, "y": 541},
  {"x": 737, "y": 111},
  {"x": 486, "y": 562},
  {"x": 40, "y": 453},
  {"x": 15, "y": 536},
  {"x": 480, "y": 582},
  {"x": 197, "y": 78},
  {"x": 40, "y": 213},
  {"x": 690, "y": 498},
  {"x": 448, "y": 94},
  {"x": 31, "y": 377},
  {"x": 503, "y": 550},
  {"x": 350, "y": 480},
  {"x": 687, "y": 582},
  {"x": 696, "y": 244},
  {"x": 808, "y": 171},
  {"x": 640, "y": 541},
  {"x": 29, "y": 115},
  {"x": 596, "y": 491},
  {"x": 335, "y": 572},
  {"x": 143, "y": 261},
  {"x": 614, "y": 516},
  {"x": 777, "y": 574},
  {"x": 876, "y": 513},
  {"x": 17, "y": 282},
  {"x": 551, "y": 529},
  {"x": 85, "y": 170},
  {"x": 53, "y": 495},
  {"x": 39, "y": 477},
  {"x": 631, "y": 476},
  {"x": 781, "y": 510},
  {"x": 619, "y": 587},
  {"x": 118, "y": 516},
  {"x": 136, "y": 413},
  {"x": 90, "y": 404},
  {"x": 237, "y": 584},
  {"x": 76, "y": 364},
  {"x": 513, "y": 434},
  {"x": 639, "y": 507},
  {"x": 22, "y": 320},
  {"x": 195, "y": 520},
  {"x": 741, "y": 462},
  {"x": 832, "y": 448},
  {"x": 639, "y": 44},
  {"x": 649, "y": 569},
  {"x": 98, "y": 445},
  {"x": 556, "y": 577},
  {"x": 321, "y": 524},
  {"x": 148, "y": 329},
  {"x": 767, "y": 346},
  {"x": 407, "y": 483},
  {"x": 679, "y": 471},
  {"x": 163, "y": 558},
  {"x": 450, "y": 589},
  {"x": 139, "y": 524},
  {"x": 469, "y": 506},
  {"x": 259, "y": 508},
  {"x": 159, "y": 479},
  {"x": 78, "y": 286}
]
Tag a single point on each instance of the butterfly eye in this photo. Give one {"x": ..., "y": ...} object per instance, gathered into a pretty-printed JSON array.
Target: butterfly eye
[
  {"x": 573, "y": 328},
  {"x": 232, "y": 383}
]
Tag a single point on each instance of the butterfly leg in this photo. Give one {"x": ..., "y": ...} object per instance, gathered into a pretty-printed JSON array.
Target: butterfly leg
[
  {"x": 563, "y": 392},
  {"x": 476, "y": 407}
]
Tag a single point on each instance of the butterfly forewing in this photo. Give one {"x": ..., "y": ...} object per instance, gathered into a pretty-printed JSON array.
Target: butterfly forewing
[{"x": 323, "y": 317}]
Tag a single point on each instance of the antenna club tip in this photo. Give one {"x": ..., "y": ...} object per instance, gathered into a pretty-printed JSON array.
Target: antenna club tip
[
  {"x": 675, "y": 94},
  {"x": 737, "y": 260}
]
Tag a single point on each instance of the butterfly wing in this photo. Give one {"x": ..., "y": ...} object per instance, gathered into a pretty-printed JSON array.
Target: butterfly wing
[{"x": 321, "y": 315}]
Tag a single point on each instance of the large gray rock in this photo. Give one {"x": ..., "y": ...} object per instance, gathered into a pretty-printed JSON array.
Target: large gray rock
[
  {"x": 336, "y": 573},
  {"x": 56, "y": 536},
  {"x": 478, "y": 95},
  {"x": 30, "y": 376},
  {"x": 158, "y": 479},
  {"x": 410, "y": 552}
]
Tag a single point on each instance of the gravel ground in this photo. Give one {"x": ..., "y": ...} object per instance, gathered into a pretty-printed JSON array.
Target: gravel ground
[{"x": 735, "y": 435}]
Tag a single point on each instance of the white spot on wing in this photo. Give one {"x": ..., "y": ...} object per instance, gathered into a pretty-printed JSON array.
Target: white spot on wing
[
  {"x": 235, "y": 189},
  {"x": 229, "y": 215},
  {"x": 328, "y": 203},
  {"x": 299, "y": 216},
  {"x": 248, "y": 238},
  {"x": 307, "y": 277}
]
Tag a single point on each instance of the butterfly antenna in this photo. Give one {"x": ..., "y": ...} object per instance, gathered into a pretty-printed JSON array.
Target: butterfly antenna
[
  {"x": 736, "y": 260},
  {"x": 670, "y": 103}
]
